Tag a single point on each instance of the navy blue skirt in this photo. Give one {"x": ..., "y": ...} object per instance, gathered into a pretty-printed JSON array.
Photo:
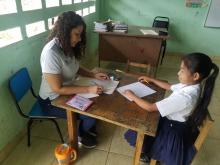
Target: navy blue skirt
[{"x": 173, "y": 144}]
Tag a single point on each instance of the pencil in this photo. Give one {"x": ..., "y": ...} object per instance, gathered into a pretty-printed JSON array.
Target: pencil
[
  {"x": 146, "y": 81},
  {"x": 117, "y": 70}
]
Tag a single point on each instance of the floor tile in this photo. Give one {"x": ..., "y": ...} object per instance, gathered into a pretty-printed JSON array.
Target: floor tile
[
  {"x": 119, "y": 144},
  {"x": 200, "y": 158},
  {"x": 214, "y": 131},
  {"x": 212, "y": 149},
  {"x": 214, "y": 106},
  {"x": 171, "y": 61},
  {"x": 47, "y": 130},
  {"x": 41, "y": 152},
  {"x": 105, "y": 135},
  {"x": 114, "y": 159},
  {"x": 117, "y": 159}
]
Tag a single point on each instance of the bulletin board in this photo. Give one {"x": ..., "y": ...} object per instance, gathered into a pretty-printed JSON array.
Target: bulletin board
[{"x": 213, "y": 15}]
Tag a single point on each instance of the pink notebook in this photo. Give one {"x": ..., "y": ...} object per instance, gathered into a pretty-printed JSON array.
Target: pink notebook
[{"x": 79, "y": 102}]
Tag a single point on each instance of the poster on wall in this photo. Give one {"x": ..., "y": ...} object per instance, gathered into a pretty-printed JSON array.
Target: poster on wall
[{"x": 213, "y": 15}]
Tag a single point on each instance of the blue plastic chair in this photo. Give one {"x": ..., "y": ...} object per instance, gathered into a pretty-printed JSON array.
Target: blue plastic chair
[{"x": 19, "y": 84}]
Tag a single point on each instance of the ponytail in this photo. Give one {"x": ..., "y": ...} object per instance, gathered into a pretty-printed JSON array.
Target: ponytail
[{"x": 201, "y": 111}]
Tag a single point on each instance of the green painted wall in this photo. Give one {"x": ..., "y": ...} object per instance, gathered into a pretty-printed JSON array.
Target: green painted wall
[
  {"x": 26, "y": 53},
  {"x": 187, "y": 30}
]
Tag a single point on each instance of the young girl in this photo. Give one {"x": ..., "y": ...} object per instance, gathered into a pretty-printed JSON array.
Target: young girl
[{"x": 181, "y": 113}]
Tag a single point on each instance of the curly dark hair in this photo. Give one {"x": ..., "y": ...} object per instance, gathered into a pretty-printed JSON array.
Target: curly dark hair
[{"x": 62, "y": 30}]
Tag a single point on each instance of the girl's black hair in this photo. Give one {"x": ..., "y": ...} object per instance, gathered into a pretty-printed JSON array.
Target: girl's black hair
[
  {"x": 202, "y": 64},
  {"x": 62, "y": 30}
]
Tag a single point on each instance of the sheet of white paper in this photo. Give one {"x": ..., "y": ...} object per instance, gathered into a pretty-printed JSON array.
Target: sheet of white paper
[
  {"x": 151, "y": 32},
  {"x": 84, "y": 81},
  {"x": 108, "y": 85},
  {"x": 138, "y": 88}
]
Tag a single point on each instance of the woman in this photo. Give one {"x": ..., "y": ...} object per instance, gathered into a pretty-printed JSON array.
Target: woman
[{"x": 60, "y": 65}]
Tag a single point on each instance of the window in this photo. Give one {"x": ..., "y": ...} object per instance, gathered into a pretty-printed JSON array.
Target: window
[
  {"x": 79, "y": 12},
  {"x": 7, "y": 7},
  {"x": 52, "y": 3},
  {"x": 51, "y": 22},
  {"x": 92, "y": 9},
  {"x": 66, "y": 2},
  {"x": 10, "y": 36},
  {"x": 35, "y": 28},
  {"x": 31, "y": 5},
  {"x": 77, "y": 1},
  {"x": 85, "y": 0},
  {"x": 85, "y": 11}
]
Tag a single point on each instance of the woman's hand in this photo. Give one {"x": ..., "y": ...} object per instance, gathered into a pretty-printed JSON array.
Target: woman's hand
[
  {"x": 145, "y": 79},
  {"x": 101, "y": 76},
  {"x": 96, "y": 89},
  {"x": 129, "y": 94}
]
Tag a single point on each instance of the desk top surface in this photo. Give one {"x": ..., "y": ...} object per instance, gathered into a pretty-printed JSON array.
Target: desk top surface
[
  {"x": 135, "y": 31},
  {"x": 118, "y": 110}
]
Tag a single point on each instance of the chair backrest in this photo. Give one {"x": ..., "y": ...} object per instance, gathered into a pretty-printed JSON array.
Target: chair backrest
[
  {"x": 146, "y": 67},
  {"x": 203, "y": 132},
  {"x": 161, "y": 22},
  {"x": 19, "y": 84}
]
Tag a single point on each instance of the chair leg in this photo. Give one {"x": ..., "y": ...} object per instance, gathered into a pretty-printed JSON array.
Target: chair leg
[
  {"x": 58, "y": 130},
  {"x": 164, "y": 50},
  {"x": 153, "y": 162},
  {"x": 29, "y": 131}
]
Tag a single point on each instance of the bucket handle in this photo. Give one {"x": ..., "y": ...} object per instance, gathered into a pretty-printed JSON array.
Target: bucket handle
[{"x": 73, "y": 155}]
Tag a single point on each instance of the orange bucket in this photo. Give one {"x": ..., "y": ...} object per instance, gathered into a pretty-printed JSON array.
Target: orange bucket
[{"x": 65, "y": 154}]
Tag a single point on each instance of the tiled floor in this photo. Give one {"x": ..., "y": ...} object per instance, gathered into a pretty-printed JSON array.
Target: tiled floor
[{"x": 112, "y": 148}]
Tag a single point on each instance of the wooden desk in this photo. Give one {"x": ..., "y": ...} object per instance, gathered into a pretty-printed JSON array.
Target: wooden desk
[
  {"x": 133, "y": 46},
  {"x": 117, "y": 110}
]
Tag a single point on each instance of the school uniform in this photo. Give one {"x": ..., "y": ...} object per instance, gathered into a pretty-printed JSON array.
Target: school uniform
[
  {"x": 173, "y": 144},
  {"x": 54, "y": 61}
]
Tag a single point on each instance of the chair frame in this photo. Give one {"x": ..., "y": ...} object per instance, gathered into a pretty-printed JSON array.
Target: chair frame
[
  {"x": 203, "y": 132},
  {"x": 138, "y": 65},
  {"x": 31, "y": 119},
  {"x": 164, "y": 43}
]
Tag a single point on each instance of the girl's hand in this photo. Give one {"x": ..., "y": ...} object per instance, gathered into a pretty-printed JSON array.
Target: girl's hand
[
  {"x": 144, "y": 79},
  {"x": 95, "y": 89},
  {"x": 129, "y": 94},
  {"x": 101, "y": 76}
]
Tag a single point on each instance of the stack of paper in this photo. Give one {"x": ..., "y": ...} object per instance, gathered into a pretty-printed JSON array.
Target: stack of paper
[
  {"x": 100, "y": 27},
  {"x": 138, "y": 88},
  {"x": 120, "y": 28}
]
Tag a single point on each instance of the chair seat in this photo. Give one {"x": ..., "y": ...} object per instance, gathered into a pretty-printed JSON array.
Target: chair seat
[{"x": 37, "y": 111}]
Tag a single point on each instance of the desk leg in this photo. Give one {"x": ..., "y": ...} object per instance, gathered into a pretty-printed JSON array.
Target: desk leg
[
  {"x": 72, "y": 129},
  {"x": 139, "y": 143}
]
